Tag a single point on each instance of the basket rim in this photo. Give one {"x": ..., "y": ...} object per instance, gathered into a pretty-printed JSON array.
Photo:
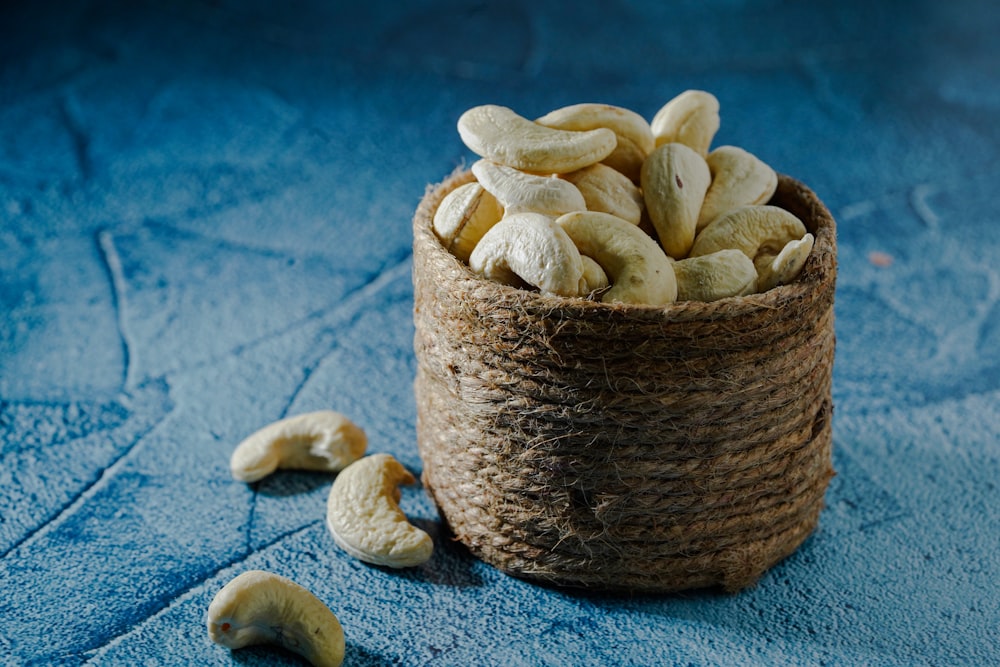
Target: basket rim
[{"x": 818, "y": 272}]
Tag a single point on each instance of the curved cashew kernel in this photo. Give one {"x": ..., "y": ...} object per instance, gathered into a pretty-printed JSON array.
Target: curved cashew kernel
[
  {"x": 635, "y": 138},
  {"x": 594, "y": 277},
  {"x": 518, "y": 191},
  {"x": 322, "y": 440},
  {"x": 754, "y": 230},
  {"x": 364, "y": 518},
  {"x": 259, "y": 607},
  {"x": 498, "y": 134},
  {"x": 691, "y": 118},
  {"x": 739, "y": 178},
  {"x": 782, "y": 268},
  {"x": 464, "y": 215},
  {"x": 607, "y": 190},
  {"x": 529, "y": 247},
  {"x": 674, "y": 182},
  {"x": 639, "y": 271},
  {"x": 715, "y": 276}
]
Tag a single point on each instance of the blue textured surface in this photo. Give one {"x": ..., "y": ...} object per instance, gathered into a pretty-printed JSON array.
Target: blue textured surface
[{"x": 205, "y": 226}]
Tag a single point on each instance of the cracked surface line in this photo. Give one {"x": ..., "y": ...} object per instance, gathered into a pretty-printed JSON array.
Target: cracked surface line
[
  {"x": 340, "y": 314},
  {"x": 920, "y": 206},
  {"x": 346, "y": 315},
  {"x": 70, "y": 115},
  {"x": 88, "y": 491},
  {"x": 181, "y": 596},
  {"x": 116, "y": 276}
]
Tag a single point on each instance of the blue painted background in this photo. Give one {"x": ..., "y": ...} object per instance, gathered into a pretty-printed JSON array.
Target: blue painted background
[{"x": 205, "y": 226}]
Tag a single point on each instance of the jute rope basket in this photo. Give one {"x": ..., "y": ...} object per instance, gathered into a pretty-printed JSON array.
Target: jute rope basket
[{"x": 620, "y": 447}]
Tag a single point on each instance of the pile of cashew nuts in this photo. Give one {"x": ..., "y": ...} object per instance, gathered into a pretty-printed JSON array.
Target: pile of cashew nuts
[
  {"x": 363, "y": 517},
  {"x": 593, "y": 201}
]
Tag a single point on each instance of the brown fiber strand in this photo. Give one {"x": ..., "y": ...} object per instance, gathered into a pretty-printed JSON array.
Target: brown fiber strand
[{"x": 622, "y": 447}]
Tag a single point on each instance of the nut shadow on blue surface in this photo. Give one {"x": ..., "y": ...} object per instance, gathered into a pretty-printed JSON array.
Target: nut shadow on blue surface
[
  {"x": 284, "y": 483},
  {"x": 355, "y": 655}
]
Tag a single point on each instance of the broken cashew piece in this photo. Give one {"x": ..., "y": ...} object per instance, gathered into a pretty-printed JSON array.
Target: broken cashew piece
[
  {"x": 782, "y": 268},
  {"x": 739, "y": 178},
  {"x": 323, "y": 440},
  {"x": 463, "y": 216},
  {"x": 716, "y": 276},
  {"x": 635, "y": 138},
  {"x": 501, "y": 135},
  {"x": 608, "y": 191},
  {"x": 259, "y": 607},
  {"x": 364, "y": 517},
  {"x": 518, "y": 191},
  {"x": 532, "y": 248},
  {"x": 691, "y": 118},
  {"x": 639, "y": 271},
  {"x": 674, "y": 181},
  {"x": 754, "y": 230}
]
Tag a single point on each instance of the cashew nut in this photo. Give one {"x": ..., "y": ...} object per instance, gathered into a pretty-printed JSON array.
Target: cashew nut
[
  {"x": 782, "y": 268},
  {"x": 259, "y": 607},
  {"x": 674, "y": 181},
  {"x": 691, "y": 118},
  {"x": 639, "y": 271},
  {"x": 499, "y": 134},
  {"x": 609, "y": 191},
  {"x": 529, "y": 247},
  {"x": 323, "y": 440},
  {"x": 518, "y": 191},
  {"x": 364, "y": 517},
  {"x": 464, "y": 215},
  {"x": 594, "y": 277},
  {"x": 754, "y": 230},
  {"x": 716, "y": 276},
  {"x": 635, "y": 138},
  {"x": 739, "y": 178}
]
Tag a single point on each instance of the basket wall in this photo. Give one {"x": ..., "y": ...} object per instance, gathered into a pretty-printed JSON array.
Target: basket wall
[{"x": 625, "y": 447}]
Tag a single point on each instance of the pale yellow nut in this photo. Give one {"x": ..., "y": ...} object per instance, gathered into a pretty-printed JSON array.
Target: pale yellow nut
[
  {"x": 753, "y": 230},
  {"x": 464, "y": 215},
  {"x": 594, "y": 277},
  {"x": 712, "y": 277},
  {"x": 674, "y": 182},
  {"x": 518, "y": 191},
  {"x": 607, "y": 190},
  {"x": 529, "y": 248},
  {"x": 783, "y": 268},
  {"x": 364, "y": 518},
  {"x": 501, "y": 135},
  {"x": 324, "y": 440},
  {"x": 639, "y": 271},
  {"x": 635, "y": 138},
  {"x": 739, "y": 178},
  {"x": 626, "y": 159},
  {"x": 691, "y": 118},
  {"x": 259, "y": 607}
]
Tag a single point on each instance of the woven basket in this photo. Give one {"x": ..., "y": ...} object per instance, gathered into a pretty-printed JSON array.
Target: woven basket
[{"x": 621, "y": 447}]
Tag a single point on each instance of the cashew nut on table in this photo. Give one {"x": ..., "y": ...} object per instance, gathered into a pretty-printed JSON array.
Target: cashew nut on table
[
  {"x": 324, "y": 440},
  {"x": 661, "y": 179},
  {"x": 364, "y": 517},
  {"x": 259, "y": 607}
]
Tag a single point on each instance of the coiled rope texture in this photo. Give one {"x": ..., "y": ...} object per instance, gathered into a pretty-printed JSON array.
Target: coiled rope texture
[{"x": 621, "y": 447}]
